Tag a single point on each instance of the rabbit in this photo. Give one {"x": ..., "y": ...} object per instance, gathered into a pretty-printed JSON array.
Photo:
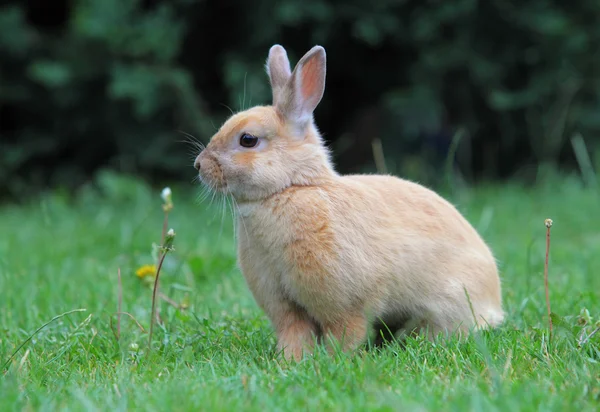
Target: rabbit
[{"x": 329, "y": 256}]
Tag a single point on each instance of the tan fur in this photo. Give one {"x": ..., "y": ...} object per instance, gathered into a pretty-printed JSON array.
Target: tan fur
[{"x": 325, "y": 254}]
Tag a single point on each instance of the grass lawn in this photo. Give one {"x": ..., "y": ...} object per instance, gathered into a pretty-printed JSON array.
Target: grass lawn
[{"x": 58, "y": 254}]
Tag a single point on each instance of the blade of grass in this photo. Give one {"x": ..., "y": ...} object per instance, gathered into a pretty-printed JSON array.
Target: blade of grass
[
  {"x": 456, "y": 139},
  {"x": 11, "y": 357},
  {"x": 583, "y": 159},
  {"x": 378, "y": 156},
  {"x": 131, "y": 317},
  {"x": 119, "y": 305}
]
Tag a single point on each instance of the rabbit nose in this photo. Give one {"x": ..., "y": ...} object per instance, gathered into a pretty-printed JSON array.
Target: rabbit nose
[{"x": 197, "y": 163}]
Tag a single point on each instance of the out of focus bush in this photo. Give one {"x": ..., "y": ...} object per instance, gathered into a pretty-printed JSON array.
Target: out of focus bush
[{"x": 88, "y": 84}]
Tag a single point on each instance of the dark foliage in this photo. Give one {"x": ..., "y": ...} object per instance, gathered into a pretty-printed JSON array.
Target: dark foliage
[{"x": 89, "y": 84}]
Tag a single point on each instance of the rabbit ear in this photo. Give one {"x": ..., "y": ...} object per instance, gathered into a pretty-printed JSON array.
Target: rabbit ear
[
  {"x": 304, "y": 89},
  {"x": 278, "y": 69}
]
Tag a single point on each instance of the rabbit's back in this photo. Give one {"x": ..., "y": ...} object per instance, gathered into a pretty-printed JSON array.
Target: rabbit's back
[{"x": 415, "y": 245}]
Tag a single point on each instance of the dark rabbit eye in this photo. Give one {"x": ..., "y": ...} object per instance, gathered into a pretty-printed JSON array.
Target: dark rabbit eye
[{"x": 247, "y": 140}]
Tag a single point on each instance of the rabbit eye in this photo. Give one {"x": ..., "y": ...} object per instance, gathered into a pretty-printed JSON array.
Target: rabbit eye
[{"x": 247, "y": 140}]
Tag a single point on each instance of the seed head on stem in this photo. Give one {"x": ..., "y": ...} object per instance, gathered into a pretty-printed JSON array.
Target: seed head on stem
[{"x": 167, "y": 198}]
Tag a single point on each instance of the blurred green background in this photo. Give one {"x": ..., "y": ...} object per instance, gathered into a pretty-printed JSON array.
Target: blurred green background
[{"x": 93, "y": 84}]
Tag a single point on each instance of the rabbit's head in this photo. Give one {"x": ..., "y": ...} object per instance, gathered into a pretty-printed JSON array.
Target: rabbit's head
[{"x": 265, "y": 149}]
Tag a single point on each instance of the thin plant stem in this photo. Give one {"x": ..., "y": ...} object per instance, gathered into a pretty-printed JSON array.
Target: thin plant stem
[
  {"x": 162, "y": 242},
  {"x": 119, "y": 305},
  {"x": 164, "y": 229},
  {"x": 548, "y": 224},
  {"x": 154, "y": 314}
]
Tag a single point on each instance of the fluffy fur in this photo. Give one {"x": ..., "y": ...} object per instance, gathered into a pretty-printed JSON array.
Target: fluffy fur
[{"x": 327, "y": 255}]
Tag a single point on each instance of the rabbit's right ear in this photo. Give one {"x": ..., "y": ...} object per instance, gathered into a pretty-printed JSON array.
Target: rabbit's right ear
[
  {"x": 278, "y": 69},
  {"x": 303, "y": 90}
]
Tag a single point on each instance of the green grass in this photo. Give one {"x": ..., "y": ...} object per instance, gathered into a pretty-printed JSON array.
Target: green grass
[{"x": 59, "y": 253}]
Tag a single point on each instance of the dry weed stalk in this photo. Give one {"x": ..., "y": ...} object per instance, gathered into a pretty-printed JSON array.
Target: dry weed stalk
[{"x": 548, "y": 223}]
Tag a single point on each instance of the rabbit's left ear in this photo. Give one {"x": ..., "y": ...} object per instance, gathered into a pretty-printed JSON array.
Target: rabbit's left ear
[
  {"x": 278, "y": 69},
  {"x": 304, "y": 89}
]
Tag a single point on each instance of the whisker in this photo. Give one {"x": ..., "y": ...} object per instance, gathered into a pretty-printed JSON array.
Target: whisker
[
  {"x": 244, "y": 100},
  {"x": 204, "y": 192},
  {"x": 223, "y": 104},
  {"x": 234, "y": 225},
  {"x": 203, "y": 195},
  {"x": 223, "y": 210},
  {"x": 241, "y": 218},
  {"x": 191, "y": 138},
  {"x": 214, "y": 194},
  {"x": 195, "y": 144},
  {"x": 222, "y": 207},
  {"x": 225, "y": 201},
  {"x": 194, "y": 150}
]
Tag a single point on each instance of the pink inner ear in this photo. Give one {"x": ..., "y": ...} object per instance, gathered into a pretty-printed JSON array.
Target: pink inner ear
[{"x": 310, "y": 78}]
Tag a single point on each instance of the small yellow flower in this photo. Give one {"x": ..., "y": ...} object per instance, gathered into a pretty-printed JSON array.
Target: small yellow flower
[{"x": 146, "y": 270}]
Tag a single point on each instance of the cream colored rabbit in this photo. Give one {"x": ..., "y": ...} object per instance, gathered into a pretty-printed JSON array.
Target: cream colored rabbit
[{"x": 327, "y": 255}]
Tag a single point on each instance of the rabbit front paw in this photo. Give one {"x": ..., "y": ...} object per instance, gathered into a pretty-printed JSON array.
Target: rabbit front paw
[{"x": 296, "y": 335}]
